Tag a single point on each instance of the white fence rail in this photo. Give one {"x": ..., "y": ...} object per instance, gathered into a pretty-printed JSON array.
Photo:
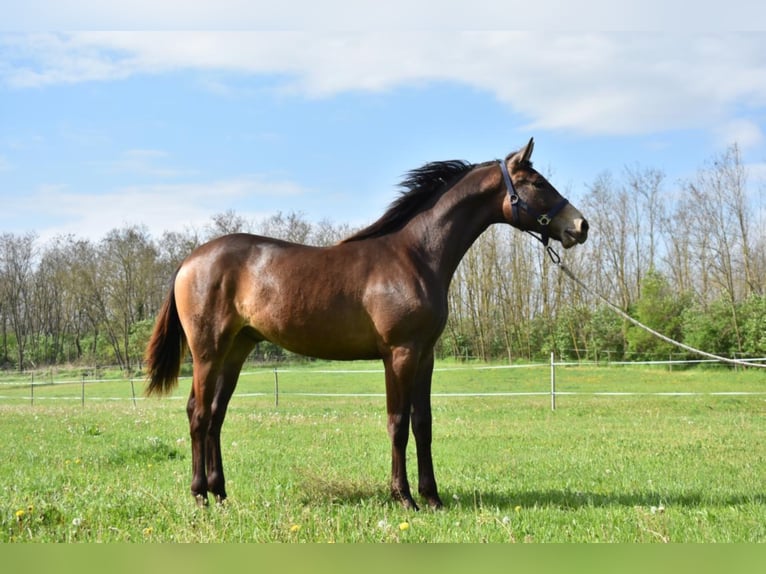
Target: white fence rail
[{"x": 24, "y": 387}]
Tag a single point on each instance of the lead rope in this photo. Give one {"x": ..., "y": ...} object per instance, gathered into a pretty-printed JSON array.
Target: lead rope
[{"x": 557, "y": 261}]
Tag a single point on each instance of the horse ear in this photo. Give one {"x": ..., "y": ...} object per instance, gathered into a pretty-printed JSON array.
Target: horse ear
[
  {"x": 528, "y": 150},
  {"x": 521, "y": 156}
]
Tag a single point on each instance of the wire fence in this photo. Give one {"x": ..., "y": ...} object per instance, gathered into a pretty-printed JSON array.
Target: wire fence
[{"x": 296, "y": 381}]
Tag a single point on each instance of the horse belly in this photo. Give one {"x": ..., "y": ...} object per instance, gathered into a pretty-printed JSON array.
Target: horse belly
[
  {"x": 326, "y": 343},
  {"x": 337, "y": 332},
  {"x": 333, "y": 352},
  {"x": 309, "y": 301}
]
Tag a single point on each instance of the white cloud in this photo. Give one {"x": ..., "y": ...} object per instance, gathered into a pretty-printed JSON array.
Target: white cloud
[
  {"x": 756, "y": 173},
  {"x": 615, "y": 83},
  {"x": 159, "y": 207},
  {"x": 147, "y": 162},
  {"x": 668, "y": 15},
  {"x": 746, "y": 133}
]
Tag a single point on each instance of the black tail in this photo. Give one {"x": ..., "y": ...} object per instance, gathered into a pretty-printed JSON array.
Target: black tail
[{"x": 165, "y": 349}]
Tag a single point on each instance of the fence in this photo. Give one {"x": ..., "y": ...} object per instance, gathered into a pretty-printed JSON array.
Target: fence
[
  {"x": 293, "y": 381},
  {"x": 28, "y": 387}
]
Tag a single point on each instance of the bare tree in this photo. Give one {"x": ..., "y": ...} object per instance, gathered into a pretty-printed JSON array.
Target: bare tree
[
  {"x": 720, "y": 223},
  {"x": 645, "y": 192},
  {"x": 17, "y": 253},
  {"x": 227, "y": 222},
  {"x": 129, "y": 264},
  {"x": 733, "y": 177},
  {"x": 612, "y": 269},
  {"x": 85, "y": 282},
  {"x": 290, "y": 227},
  {"x": 52, "y": 314},
  {"x": 325, "y": 232}
]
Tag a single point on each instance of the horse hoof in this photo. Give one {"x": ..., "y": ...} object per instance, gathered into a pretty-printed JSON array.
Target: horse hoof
[
  {"x": 220, "y": 499},
  {"x": 201, "y": 500}
]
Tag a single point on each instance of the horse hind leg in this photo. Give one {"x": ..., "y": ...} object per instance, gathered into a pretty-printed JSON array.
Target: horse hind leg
[
  {"x": 225, "y": 385},
  {"x": 199, "y": 410},
  {"x": 216, "y": 482}
]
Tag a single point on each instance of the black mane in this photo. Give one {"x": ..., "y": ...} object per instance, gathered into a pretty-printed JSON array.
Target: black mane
[{"x": 422, "y": 187}]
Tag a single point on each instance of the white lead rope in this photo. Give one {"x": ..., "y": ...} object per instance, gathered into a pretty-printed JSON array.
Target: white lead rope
[{"x": 624, "y": 315}]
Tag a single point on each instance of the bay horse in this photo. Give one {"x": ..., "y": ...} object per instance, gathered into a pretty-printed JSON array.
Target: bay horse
[{"x": 379, "y": 294}]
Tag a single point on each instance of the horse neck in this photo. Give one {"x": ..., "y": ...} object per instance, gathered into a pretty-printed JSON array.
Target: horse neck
[{"x": 444, "y": 233}]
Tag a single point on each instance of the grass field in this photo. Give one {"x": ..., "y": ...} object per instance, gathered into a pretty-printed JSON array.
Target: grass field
[{"x": 633, "y": 468}]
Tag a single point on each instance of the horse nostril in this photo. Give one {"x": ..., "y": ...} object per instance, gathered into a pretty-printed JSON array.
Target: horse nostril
[{"x": 584, "y": 227}]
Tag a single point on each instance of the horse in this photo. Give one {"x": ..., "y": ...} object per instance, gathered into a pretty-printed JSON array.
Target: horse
[{"x": 379, "y": 294}]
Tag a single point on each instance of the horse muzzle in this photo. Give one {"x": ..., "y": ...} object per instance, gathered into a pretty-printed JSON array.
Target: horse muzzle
[{"x": 576, "y": 232}]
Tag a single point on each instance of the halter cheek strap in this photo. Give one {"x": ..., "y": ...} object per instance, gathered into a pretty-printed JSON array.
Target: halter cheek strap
[{"x": 543, "y": 219}]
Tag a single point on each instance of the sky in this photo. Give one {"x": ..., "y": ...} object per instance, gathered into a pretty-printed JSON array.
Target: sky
[{"x": 172, "y": 112}]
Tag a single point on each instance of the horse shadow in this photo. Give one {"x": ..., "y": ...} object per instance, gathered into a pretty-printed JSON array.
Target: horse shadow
[
  {"x": 574, "y": 499},
  {"x": 352, "y": 493}
]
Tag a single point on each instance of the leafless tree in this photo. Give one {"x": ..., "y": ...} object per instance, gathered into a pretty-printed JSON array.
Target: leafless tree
[{"x": 17, "y": 253}]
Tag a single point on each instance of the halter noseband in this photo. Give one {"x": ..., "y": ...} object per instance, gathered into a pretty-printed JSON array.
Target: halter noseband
[{"x": 543, "y": 219}]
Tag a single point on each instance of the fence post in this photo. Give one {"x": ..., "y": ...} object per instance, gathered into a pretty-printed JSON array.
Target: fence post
[
  {"x": 276, "y": 388},
  {"x": 32, "y": 390},
  {"x": 553, "y": 382},
  {"x": 133, "y": 391},
  {"x": 82, "y": 394}
]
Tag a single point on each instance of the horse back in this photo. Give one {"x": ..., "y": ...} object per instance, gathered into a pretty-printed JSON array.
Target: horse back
[{"x": 335, "y": 302}]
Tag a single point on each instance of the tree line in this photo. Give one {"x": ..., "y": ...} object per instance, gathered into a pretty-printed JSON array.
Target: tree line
[{"x": 687, "y": 259}]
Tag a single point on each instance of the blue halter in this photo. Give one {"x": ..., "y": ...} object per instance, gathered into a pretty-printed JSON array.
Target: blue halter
[{"x": 543, "y": 219}]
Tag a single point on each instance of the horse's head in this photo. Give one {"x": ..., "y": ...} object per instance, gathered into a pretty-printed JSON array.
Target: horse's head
[{"x": 533, "y": 204}]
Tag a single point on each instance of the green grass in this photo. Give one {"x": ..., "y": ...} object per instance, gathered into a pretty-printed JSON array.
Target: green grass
[{"x": 639, "y": 468}]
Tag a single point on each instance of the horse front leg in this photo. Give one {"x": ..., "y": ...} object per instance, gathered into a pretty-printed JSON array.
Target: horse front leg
[
  {"x": 421, "y": 428},
  {"x": 398, "y": 430},
  {"x": 400, "y": 370}
]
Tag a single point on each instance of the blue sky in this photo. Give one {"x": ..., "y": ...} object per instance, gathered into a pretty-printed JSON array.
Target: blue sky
[{"x": 103, "y": 129}]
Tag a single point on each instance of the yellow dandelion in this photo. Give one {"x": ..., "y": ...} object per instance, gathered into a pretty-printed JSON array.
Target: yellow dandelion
[
  {"x": 517, "y": 509},
  {"x": 404, "y": 526},
  {"x": 148, "y": 531},
  {"x": 295, "y": 528},
  {"x": 20, "y": 514}
]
